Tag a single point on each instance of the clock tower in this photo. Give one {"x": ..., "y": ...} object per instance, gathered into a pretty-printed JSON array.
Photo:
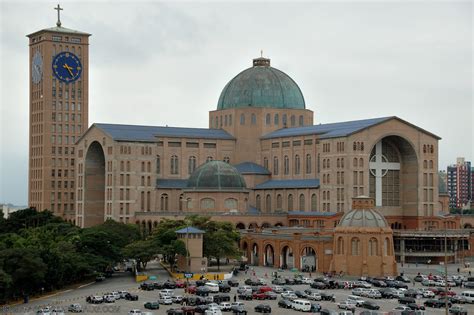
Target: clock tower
[{"x": 59, "y": 109}]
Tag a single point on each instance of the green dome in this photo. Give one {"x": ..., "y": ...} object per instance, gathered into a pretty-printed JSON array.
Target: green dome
[
  {"x": 216, "y": 175},
  {"x": 261, "y": 86}
]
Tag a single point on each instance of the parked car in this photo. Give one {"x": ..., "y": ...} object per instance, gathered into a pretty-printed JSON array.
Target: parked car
[
  {"x": 270, "y": 295},
  {"x": 403, "y": 279},
  {"x": 457, "y": 310},
  {"x": 326, "y": 296},
  {"x": 239, "y": 310},
  {"x": 416, "y": 307},
  {"x": 147, "y": 286},
  {"x": 233, "y": 283},
  {"x": 279, "y": 281},
  {"x": 263, "y": 308},
  {"x": 202, "y": 291},
  {"x": 152, "y": 305},
  {"x": 285, "y": 303},
  {"x": 225, "y": 306},
  {"x": 370, "y": 305},
  {"x": 345, "y": 305},
  {"x": 406, "y": 300},
  {"x": 75, "y": 308},
  {"x": 245, "y": 296},
  {"x": 224, "y": 287},
  {"x": 130, "y": 297},
  {"x": 315, "y": 307},
  {"x": 165, "y": 299},
  {"x": 177, "y": 299},
  {"x": 100, "y": 278},
  {"x": 436, "y": 303}
]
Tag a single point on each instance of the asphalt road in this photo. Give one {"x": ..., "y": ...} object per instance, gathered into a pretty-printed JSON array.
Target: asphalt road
[{"x": 123, "y": 281}]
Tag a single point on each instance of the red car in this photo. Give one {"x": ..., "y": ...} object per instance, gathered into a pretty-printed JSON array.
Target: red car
[
  {"x": 443, "y": 293},
  {"x": 259, "y": 296},
  {"x": 180, "y": 284},
  {"x": 191, "y": 289},
  {"x": 264, "y": 289}
]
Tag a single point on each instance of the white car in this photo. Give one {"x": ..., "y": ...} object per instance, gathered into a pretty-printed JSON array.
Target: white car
[
  {"x": 237, "y": 304},
  {"x": 116, "y": 295},
  {"x": 346, "y": 305},
  {"x": 122, "y": 294},
  {"x": 402, "y": 308},
  {"x": 109, "y": 298},
  {"x": 373, "y": 294},
  {"x": 166, "y": 300},
  {"x": 358, "y": 291},
  {"x": 277, "y": 288},
  {"x": 428, "y": 294},
  {"x": 213, "y": 311},
  {"x": 167, "y": 292},
  {"x": 314, "y": 296},
  {"x": 225, "y": 306},
  {"x": 306, "y": 280},
  {"x": 177, "y": 299},
  {"x": 135, "y": 312},
  {"x": 363, "y": 284},
  {"x": 75, "y": 308},
  {"x": 289, "y": 296}
]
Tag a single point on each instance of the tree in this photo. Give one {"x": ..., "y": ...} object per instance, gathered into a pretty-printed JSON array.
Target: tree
[{"x": 142, "y": 251}]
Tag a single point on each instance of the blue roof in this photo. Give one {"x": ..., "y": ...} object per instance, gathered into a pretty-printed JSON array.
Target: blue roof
[
  {"x": 289, "y": 183},
  {"x": 325, "y": 131},
  {"x": 251, "y": 168},
  {"x": 171, "y": 183},
  {"x": 190, "y": 229},
  {"x": 312, "y": 213},
  {"x": 150, "y": 133}
]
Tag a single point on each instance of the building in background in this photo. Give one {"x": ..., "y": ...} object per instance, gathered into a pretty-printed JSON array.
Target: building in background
[
  {"x": 59, "y": 93},
  {"x": 8, "y": 208},
  {"x": 460, "y": 184}
]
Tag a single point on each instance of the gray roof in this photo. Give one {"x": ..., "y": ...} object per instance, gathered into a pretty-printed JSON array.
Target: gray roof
[
  {"x": 363, "y": 218},
  {"x": 335, "y": 130},
  {"x": 60, "y": 29},
  {"x": 190, "y": 229},
  {"x": 251, "y": 168},
  {"x": 152, "y": 133},
  {"x": 171, "y": 183},
  {"x": 289, "y": 183}
]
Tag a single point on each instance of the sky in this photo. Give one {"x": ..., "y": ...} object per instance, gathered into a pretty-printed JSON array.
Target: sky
[{"x": 165, "y": 63}]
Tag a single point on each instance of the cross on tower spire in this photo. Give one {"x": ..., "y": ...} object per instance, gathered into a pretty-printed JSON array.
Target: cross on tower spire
[{"x": 59, "y": 9}]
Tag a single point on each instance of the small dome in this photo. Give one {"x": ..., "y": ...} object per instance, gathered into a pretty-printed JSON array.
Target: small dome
[
  {"x": 216, "y": 175},
  {"x": 363, "y": 218},
  {"x": 261, "y": 86}
]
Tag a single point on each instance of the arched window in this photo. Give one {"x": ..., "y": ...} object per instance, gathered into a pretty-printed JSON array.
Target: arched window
[
  {"x": 258, "y": 202},
  {"x": 279, "y": 202},
  {"x": 373, "y": 247},
  {"x": 284, "y": 119},
  {"x": 268, "y": 119},
  {"x": 209, "y": 159},
  {"x": 293, "y": 120},
  {"x": 297, "y": 164},
  {"x": 142, "y": 200},
  {"x": 242, "y": 119},
  {"x": 308, "y": 163},
  {"x": 230, "y": 203},
  {"x": 302, "y": 203},
  {"x": 275, "y": 166},
  {"x": 355, "y": 162},
  {"x": 361, "y": 162},
  {"x": 355, "y": 244},
  {"x": 164, "y": 202},
  {"x": 191, "y": 164},
  {"x": 174, "y": 165},
  {"x": 314, "y": 202},
  {"x": 265, "y": 162},
  {"x": 227, "y": 159},
  {"x": 268, "y": 203},
  {"x": 276, "y": 120},
  {"x": 290, "y": 202},
  {"x": 207, "y": 203},
  {"x": 253, "y": 119},
  {"x": 340, "y": 246},
  {"x": 386, "y": 247},
  {"x": 301, "y": 120},
  {"x": 286, "y": 165}
]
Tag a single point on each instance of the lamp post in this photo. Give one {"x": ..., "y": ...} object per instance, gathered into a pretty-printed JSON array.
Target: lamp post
[{"x": 446, "y": 262}]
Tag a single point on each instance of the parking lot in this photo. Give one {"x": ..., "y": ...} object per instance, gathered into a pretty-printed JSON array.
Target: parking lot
[{"x": 124, "y": 282}]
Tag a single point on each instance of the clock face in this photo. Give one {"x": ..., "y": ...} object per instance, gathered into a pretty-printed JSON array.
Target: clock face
[
  {"x": 37, "y": 67},
  {"x": 67, "y": 67}
]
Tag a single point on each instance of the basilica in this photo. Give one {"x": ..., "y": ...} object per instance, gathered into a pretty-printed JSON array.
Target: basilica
[{"x": 266, "y": 166}]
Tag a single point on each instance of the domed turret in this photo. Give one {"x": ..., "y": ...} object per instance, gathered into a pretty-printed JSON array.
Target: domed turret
[
  {"x": 261, "y": 86},
  {"x": 216, "y": 175},
  {"x": 363, "y": 218}
]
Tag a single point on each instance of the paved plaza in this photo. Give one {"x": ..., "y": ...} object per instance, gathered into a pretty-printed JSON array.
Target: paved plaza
[{"x": 124, "y": 281}]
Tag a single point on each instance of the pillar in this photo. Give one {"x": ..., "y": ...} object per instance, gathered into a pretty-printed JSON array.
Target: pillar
[{"x": 402, "y": 251}]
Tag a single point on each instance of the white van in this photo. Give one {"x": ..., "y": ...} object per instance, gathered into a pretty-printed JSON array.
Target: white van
[
  {"x": 301, "y": 305},
  {"x": 213, "y": 287},
  {"x": 469, "y": 295}
]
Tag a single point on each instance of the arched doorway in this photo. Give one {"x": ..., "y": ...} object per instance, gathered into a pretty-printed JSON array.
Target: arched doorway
[
  {"x": 278, "y": 224},
  {"x": 254, "y": 255},
  {"x": 240, "y": 226},
  {"x": 308, "y": 259},
  {"x": 393, "y": 164},
  {"x": 94, "y": 185},
  {"x": 286, "y": 258},
  {"x": 468, "y": 226},
  {"x": 265, "y": 225},
  {"x": 245, "y": 251},
  {"x": 269, "y": 258}
]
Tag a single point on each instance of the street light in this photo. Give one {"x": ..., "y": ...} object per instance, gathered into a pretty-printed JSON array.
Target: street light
[{"x": 445, "y": 217}]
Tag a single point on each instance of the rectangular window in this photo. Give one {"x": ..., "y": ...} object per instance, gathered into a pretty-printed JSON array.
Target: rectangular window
[
  {"x": 296, "y": 143},
  {"x": 308, "y": 142},
  {"x": 174, "y": 144},
  {"x": 285, "y": 144},
  {"x": 210, "y": 145},
  {"x": 75, "y": 40},
  {"x": 56, "y": 38},
  {"x": 192, "y": 145},
  {"x": 275, "y": 145}
]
